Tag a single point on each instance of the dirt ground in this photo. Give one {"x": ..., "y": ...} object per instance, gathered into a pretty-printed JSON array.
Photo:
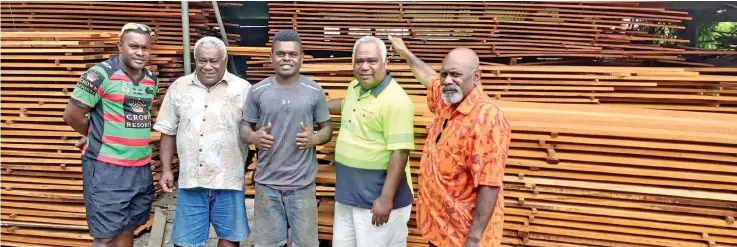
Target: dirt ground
[{"x": 167, "y": 204}]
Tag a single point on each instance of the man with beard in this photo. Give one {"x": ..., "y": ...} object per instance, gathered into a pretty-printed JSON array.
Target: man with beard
[
  {"x": 460, "y": 201},
  {"x": 373, "y": 190},
  {"x": 117, "y": 183},
  {"x": 279, "y": 119},
  {"x": 200, "y": 119}
]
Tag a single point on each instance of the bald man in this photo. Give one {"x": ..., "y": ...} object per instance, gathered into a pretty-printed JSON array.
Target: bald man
[{"x": 460, "y": 201}]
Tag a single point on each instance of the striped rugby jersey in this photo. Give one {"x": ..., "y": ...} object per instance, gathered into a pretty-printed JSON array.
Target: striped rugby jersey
[{"x": 120, "y": 113}]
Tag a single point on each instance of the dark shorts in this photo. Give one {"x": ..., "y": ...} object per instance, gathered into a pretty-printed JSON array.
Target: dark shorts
[{"x": 117, "y": 198}]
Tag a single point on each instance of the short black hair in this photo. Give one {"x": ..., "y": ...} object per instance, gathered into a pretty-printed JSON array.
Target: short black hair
[{"x": 287, "y": 35}]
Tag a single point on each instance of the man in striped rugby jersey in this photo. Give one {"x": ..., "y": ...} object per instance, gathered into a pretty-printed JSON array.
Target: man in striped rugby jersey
[{"x": 117, "y": 95}]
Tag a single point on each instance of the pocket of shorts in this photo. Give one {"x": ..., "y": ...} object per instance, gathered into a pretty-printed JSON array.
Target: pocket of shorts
[
  {"x": 148, "y": 175},
  {"x": 92, "y": 166}
]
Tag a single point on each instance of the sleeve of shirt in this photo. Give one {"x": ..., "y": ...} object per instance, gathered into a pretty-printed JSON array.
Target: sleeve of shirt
[
  {"x": 434, "y": 95},
  {"x": 89, "y": 87},
  {"x": 156, "y": 93},
  {"x": 321, "y": 112},
  {"x": 250, "y": 110},
  {"x": 168, "y": 119},
  {"x": 490, "y": 149},
  {"x": 398, "y": 120}
]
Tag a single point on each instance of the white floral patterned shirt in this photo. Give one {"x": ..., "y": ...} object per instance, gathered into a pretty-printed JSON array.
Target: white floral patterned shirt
[{"x": 206, "y": 123}]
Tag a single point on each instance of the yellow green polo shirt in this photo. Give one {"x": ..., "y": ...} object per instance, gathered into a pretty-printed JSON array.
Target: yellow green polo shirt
[{"x": 374, "y": 123}]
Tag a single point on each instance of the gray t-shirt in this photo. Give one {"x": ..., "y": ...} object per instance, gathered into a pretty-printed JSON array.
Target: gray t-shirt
[{"x": 285, "y": 167}]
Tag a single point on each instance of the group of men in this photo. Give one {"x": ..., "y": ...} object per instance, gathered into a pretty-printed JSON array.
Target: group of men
[{"x": 210, "y": 117}]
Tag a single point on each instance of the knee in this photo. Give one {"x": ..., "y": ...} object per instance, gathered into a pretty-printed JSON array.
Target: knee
[{"x": 102, "y": 242}]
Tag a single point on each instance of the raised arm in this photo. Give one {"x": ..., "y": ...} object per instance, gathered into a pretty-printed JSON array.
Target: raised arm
[{"x": 423, "y": 72}]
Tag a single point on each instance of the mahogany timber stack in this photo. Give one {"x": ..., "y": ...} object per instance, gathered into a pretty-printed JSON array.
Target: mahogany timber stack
[
  {"x": 587, "y": 175},
  {"x": 584, "y": 174},
  {"x": 493, "y": 29},
  {"x": 671, "y": 88},
  {"x": 164, "y": 18},
  {"x": 42, "y": 202}
]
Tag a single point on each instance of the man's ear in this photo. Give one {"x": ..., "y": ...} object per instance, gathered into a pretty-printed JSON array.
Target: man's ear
[
  {"x": 120, "y": 46},
  {"x": 477, "y": 76}
]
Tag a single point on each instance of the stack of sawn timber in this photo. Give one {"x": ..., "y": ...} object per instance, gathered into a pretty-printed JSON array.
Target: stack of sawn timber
[
  {"x": 42, "y": 203},
  {"x": 596, "y": 160},
  {"x": 165, "y": 18},
  {"x": 605, "y": 176},
  {"x": 672, "y": 88},
  {"x": 494, "y": 29},
  {"x": 587, "y": 175},
  {"x": 41, "y": 191}
]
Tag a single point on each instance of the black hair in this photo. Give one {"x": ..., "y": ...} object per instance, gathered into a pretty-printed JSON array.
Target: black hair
[{"x": 287, "y": 35}]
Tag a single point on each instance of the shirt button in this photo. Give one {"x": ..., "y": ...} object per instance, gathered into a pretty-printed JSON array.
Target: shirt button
[
  {"x": 205, "y": 106},
  {"x": 354, "y": 109},
  {"x": 200, "y": 150},
  {"x": 200, "y": 164},
  {"x": 203, "y": 120},
  {"x": 201, "y": 135}
]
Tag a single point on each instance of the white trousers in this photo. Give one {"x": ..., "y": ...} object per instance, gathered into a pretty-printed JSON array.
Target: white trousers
[{"x": 352, "y": 227}]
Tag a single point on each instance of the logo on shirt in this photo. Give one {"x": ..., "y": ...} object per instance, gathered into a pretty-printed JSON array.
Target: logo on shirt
[
  {"x": 87, "y": 82},
  {"x": 124, "y": 88},
  {"x": 137, "y": 112},
  {"x": 107, "y": 65},
  {"x": 92, "y": 76}
]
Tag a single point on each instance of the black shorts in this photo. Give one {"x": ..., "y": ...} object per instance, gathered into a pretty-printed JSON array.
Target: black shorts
[{"x": 117, "y": 198}]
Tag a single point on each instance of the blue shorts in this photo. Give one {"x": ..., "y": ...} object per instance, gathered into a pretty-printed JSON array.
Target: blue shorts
[
  {"x": 277, "y": 211},
  {"x": 198, "y": 207},
  {"x": 116, "y": 198}
]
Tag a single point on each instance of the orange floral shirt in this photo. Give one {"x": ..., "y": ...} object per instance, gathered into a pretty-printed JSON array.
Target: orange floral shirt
[{"x": 466, "y": 147}]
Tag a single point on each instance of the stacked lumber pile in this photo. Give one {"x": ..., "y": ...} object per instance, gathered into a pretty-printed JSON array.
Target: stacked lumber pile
[
  {"x": 672, "y": 88},
  {"x": 163, "y": 17},
  {"x": 494, "y": 29},
  {"x": 41, "y": 191},
  {"x": 599, "y": 176},
  {"x": 595, "y": 160},
  {"x": 610, "y": 176},
  {"x": 587, "y": 174}
]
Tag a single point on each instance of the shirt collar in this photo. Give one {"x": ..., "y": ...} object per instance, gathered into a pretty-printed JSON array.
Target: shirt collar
[
  {"x": 196, "y": 81},
  {"x": 471, "y": 100},
  {"x": 379, "y": 88}
]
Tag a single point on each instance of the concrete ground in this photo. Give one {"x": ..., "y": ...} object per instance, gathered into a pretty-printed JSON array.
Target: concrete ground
[{"x": 167, "y": 204}]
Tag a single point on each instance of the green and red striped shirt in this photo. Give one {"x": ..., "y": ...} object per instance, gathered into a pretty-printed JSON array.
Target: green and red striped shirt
[{"x": 119, "y": 113}]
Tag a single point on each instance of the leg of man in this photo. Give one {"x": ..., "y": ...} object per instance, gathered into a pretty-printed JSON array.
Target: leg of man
[
  {"x": 139, "y": 208},
  {"x": 301, "y": 208},
  {"x": 270, "y": 218},
  {"x": 192, "y": 218},
  {"x": 392, "y": 234},
  {"x": 124, "y": 239},
  {"x": 100, "y": 242},
  {"x": 344, "y": 232},
  {"x": 108, "y": 200},
  {"x": 228, "y": 217}
]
